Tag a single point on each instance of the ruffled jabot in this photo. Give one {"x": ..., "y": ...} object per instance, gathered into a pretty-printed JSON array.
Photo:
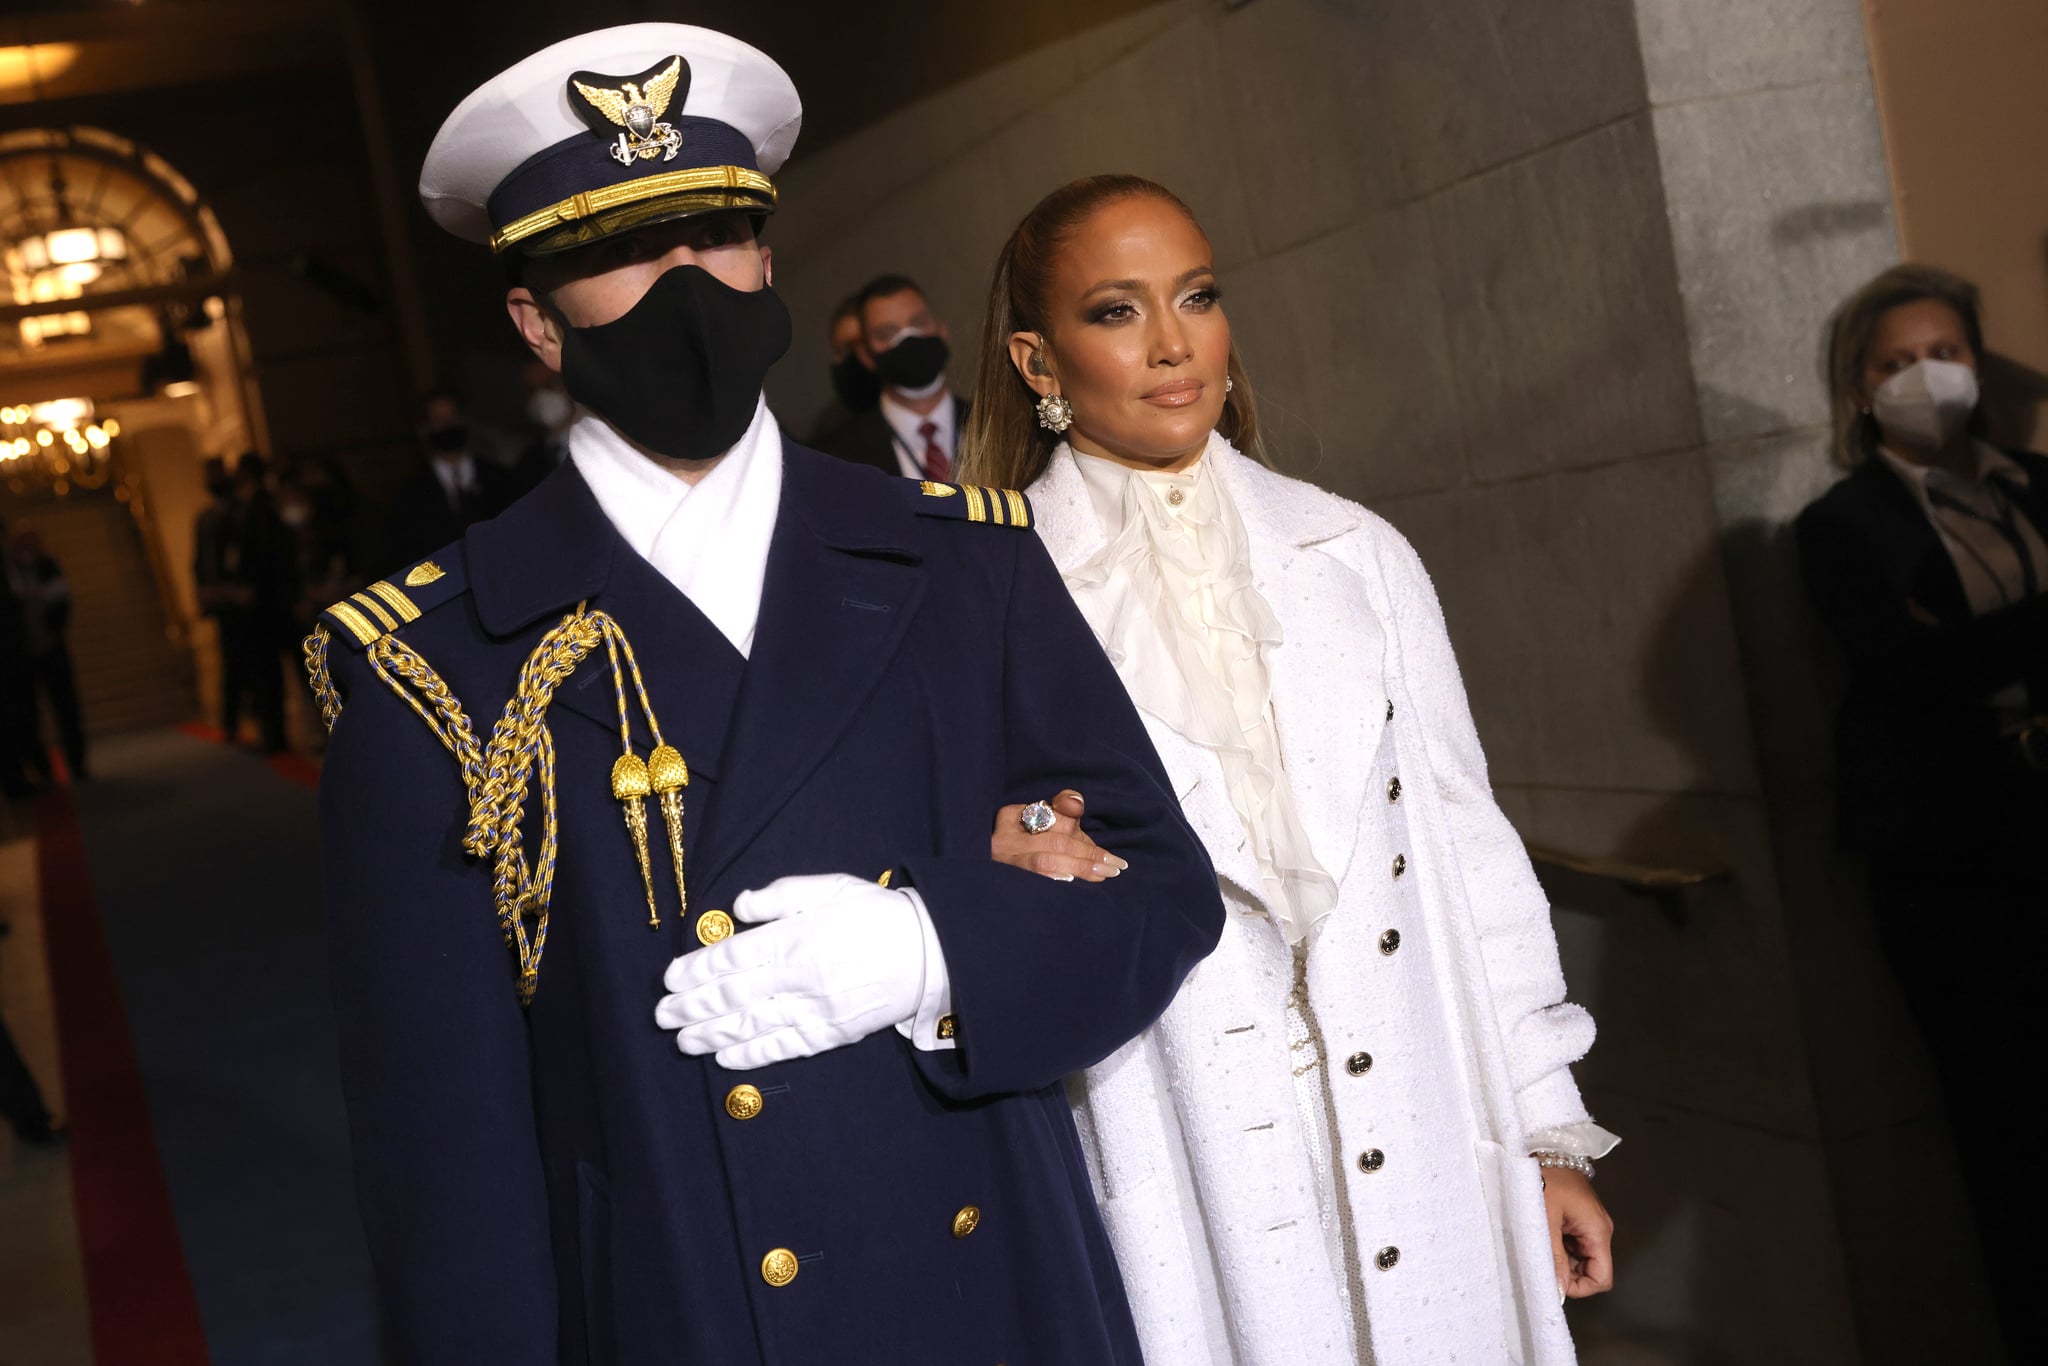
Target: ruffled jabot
[{"x": 1172, "y": 600}]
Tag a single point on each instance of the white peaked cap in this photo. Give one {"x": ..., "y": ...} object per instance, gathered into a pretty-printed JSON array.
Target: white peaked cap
[{"x": 528, "y": 109}]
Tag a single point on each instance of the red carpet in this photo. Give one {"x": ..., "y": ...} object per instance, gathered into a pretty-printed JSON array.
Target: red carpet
[{"x": 140, "y": 1294}]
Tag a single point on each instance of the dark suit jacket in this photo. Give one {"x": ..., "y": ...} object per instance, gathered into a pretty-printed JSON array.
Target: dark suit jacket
[
  {"x": 422, "y": 521},
  {"x": 560, "y": 1183},
  {"x": 1919, "y": 757},
  {"x": 865, "y": 438}
]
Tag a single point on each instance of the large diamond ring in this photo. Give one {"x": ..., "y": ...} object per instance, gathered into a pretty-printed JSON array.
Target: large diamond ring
[{"x": 1037, "y": 818}]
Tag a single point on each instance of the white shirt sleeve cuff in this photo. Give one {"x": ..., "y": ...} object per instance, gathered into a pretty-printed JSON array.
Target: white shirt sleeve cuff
[
  {"x": 1586, "y": 1140},
  {"x": 922, "y": 1029}
]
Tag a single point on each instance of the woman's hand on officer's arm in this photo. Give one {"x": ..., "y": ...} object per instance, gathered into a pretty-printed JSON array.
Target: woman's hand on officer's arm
[{"x": 1062, "y": 853}]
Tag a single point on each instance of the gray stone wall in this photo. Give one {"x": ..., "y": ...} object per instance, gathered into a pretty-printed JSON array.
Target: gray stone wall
[{"x": 1541, "y": 284}]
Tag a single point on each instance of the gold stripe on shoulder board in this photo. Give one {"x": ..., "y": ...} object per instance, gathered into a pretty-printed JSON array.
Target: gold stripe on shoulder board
[
  {"x": 397, "y": 601},
  {"x": 1020, "y": 511},
  {"x": 995, "y": 506},
  {"x": 375, "y": 609},
  {"x": 937, "y": 490},
  {"x": 976, "y": 511},
  {"x": 358, "y": 625}
]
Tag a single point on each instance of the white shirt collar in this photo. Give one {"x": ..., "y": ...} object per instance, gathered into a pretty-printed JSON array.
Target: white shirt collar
[
  {"x": 905, "y": 422},
  {"x": 709, "y": 539},
  {"x": 1990, "y": 461},
  {"x": 455, "y": 475}
]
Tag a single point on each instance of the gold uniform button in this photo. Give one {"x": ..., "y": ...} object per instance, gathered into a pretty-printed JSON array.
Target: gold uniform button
[
  {"x": 1400, "y": 864},
  {"x": 778, "y": 1268},
  {"x": 947, "y": 1026},
  {"x": 1394, "y": 789},
  {"x": 1358, "y": 1064},
  {"x": 743, "y": 1101},
  {"x": 1371, "y": 1160},
  {"x": 1390, "y": 941},
  {"x": 966, "y": 1221},
  {"x": 713, "y": 926},
  {"x": 1385, "y": 1258}
]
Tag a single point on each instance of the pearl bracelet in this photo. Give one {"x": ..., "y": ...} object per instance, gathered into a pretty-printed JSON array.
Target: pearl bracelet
[{"x": 1582, "y": 1165}]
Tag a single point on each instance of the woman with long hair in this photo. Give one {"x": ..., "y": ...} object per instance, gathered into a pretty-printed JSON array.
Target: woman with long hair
[{"x": 1354, "y": 1135}]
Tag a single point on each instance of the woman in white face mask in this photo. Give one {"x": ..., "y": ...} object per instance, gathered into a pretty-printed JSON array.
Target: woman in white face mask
[
  {"x": 1928, "y": 564},
  {"x": 1354, "y": 1135}
]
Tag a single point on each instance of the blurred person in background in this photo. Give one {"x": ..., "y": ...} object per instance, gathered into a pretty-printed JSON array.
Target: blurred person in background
[
  {"x": 550, "y": 411},
  {"x": 1354, "y": 1135},
  {"x": 855, "y": 388},
  {"x": 914, "y": 429},
  {"x": 23, "y": 766},
  {"x": 251, "y": 585},
  {"x": 1928, "y": 564},
  {"x": 455, "y": 487},
  {"x": 21, "y": 1100},
  {"x": 318, "y": 545},
  {"x": 38, "y": 585}
]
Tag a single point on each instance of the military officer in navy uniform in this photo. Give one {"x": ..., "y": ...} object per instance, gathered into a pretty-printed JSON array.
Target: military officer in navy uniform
[{"x": 684, "y": 1016}]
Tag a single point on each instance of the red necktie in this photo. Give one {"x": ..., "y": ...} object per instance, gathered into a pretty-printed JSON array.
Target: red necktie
[{"x": 937, "y": 465}]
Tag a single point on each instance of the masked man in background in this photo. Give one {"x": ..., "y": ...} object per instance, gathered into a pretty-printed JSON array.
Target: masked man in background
[{"x": 915, "y": 430}]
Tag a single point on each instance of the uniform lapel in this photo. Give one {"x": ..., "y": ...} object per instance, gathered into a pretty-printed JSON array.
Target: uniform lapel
[
  {"x": 555, "y": 549},
  {"x": 1327, "y": 689},
  {"x": 843, "y": 583}
]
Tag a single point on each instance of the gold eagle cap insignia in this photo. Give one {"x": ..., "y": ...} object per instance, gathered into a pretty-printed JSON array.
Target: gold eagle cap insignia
[{"x": 636, "y": 106}]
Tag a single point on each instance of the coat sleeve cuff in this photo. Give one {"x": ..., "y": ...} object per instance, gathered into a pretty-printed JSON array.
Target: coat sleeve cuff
[
  {"x": 931, "y": 1028},
  {"x": 1550, "y": 1102}
]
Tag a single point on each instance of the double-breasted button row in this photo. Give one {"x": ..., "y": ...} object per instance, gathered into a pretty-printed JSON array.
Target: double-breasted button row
[
  {"x": 713, "y": 926},
  {"x": 744, "y": 1101}
]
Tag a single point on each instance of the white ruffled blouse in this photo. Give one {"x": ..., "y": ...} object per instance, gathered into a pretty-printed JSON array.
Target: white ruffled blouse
[{"x": 1172, "y": 601}]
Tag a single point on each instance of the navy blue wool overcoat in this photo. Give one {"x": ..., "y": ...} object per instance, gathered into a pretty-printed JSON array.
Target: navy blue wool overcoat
[{"x": 557, "y": 1183}]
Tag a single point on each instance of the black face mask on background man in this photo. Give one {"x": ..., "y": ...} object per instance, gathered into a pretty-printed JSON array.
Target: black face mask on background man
[
  {"x": 913, "y": 363},
  {"x": 680, "y": 372}
]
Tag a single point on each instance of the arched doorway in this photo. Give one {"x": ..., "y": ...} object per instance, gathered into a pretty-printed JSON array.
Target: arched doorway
[{"x": 122, "y": 362}]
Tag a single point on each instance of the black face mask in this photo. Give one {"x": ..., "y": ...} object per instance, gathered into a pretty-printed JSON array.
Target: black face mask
[
  {"x": 680, "y": 372},
  {"x": 449, "y": 438},
  {"x": 913, "y": 362},
  {"x": 856, "y": 387}
]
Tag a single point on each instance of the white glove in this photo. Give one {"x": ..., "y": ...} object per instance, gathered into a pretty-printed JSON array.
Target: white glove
[{"x": 837, "y": 958}]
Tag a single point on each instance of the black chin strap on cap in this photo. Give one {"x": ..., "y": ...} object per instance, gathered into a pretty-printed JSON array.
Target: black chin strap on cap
[{"x": 681, "y": 371}]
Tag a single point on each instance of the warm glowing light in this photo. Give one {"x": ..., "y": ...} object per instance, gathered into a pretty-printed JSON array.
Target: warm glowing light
[
  {"x": 183, "y": 388},
  {"x": 45, "y": 60},
  {"x": 63, "y": 412},
  {"x": 68, "y": 246},
  {"x": 43, "y": 437},
  {"x": 80, "y": 273},
  {"x": 112, "y": 426},
  {"x": 96, "y": 438}
]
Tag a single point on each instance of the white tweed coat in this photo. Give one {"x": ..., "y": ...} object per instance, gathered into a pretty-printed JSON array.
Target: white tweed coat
[{"x": 1241, "y": 1275}]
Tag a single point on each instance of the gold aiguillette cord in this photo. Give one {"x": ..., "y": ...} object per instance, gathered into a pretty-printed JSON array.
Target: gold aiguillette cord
[{"x": 663, "y": 775}]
